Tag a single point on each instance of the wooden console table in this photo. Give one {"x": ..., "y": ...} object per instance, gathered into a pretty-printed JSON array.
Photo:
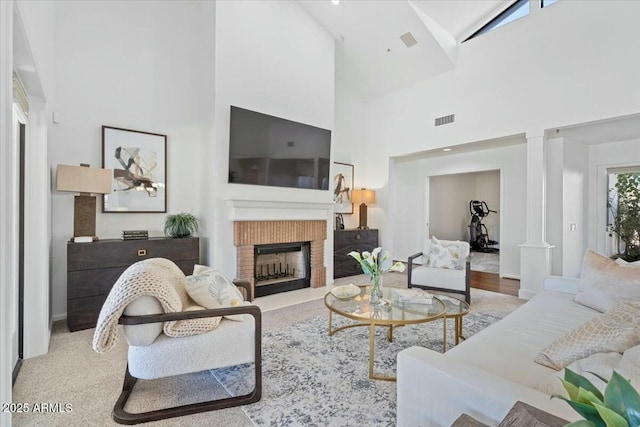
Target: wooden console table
[{"x": 93, "y": 268}]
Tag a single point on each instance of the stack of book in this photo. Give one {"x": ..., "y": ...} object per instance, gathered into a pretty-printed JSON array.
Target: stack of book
[
  {"x": 414, "y": 296},
  {"x": 135, "y": 234}
]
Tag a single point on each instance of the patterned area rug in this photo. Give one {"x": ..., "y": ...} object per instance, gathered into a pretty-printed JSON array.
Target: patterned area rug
[{"x": 312, "y": 379}]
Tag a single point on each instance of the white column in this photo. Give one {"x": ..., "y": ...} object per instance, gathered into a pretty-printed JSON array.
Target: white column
[{"x": 535, "y": 253}]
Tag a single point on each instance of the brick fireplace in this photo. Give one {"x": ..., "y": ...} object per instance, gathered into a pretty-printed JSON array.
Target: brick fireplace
[{"x": 248, "y": 234}]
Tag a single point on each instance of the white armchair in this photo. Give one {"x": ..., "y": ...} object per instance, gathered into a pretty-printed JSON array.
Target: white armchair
[
  {"x": 455, "y": 280},
  {"x": 168, "y": 334}
]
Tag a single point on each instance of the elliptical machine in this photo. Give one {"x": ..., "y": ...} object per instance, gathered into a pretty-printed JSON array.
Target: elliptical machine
[{"x": 478, "y": 237}]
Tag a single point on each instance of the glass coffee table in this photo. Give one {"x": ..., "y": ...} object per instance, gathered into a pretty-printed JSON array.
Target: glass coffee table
[{"x": 392, "y": 313}]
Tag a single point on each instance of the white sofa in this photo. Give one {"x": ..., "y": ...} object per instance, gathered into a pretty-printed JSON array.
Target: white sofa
[{"x": 485, "y": 375}]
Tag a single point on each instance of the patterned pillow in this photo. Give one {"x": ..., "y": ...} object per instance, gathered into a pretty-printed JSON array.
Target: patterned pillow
[
  {"x": 209, "y": 288},
  {"x": 603, "y": 283},
  {"x": 443, "y": 254},
  {"x": 616, "y": 330}
]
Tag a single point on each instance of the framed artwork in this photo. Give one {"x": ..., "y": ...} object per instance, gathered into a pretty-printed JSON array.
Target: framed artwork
[
  {"x": 342, "y": 187},
  {"x": 139, "y": 163}
]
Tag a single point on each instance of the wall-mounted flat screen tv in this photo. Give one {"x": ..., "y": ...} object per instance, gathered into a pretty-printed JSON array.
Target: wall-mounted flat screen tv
[{"x": 268, "y": 150}]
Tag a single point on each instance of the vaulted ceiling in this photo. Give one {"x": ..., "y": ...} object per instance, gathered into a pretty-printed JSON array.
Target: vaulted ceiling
[{"x": 371, "y": 53}]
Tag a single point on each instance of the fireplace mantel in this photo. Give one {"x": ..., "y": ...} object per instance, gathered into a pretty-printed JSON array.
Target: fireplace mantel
[{"x": 267, "y": 210}]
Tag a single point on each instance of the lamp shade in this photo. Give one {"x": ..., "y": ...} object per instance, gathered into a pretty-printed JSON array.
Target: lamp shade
[
  {"x": 363, "y": 196},
  {"x": 82, "y": 179}
]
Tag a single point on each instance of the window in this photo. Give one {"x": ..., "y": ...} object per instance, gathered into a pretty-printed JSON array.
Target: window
[
  {"x": 623, "y": 213},
  {"x": 517, "y": 10},
  {"x": 545, "y": 3}
]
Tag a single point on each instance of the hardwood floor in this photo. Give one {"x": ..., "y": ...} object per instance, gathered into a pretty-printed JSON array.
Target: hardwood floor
[{"x": 492, "y": 282}]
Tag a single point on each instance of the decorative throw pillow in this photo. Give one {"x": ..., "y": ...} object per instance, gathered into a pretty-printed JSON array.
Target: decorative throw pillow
[
  {"x": 616, "y": 330},
  {"x": 209, "y": 288},
  {"x": 603, "y": 283},
  {"x": 443, "y": 254}
]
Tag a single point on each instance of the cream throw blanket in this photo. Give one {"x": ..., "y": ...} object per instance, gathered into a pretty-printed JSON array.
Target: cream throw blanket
[{"x": 158, "y": 278}]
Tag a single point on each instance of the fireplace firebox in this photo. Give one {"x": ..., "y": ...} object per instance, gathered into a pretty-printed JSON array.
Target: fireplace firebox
[{"x": 281, "y": 267}]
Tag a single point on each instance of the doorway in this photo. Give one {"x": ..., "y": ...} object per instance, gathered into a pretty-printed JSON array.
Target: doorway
[
  {"x": 449, "y": 210},
  {"x": 17, "y": 330}
]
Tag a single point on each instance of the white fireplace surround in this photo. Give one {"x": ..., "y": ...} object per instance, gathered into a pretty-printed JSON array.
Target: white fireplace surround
[{"x": 264, "y": 210}]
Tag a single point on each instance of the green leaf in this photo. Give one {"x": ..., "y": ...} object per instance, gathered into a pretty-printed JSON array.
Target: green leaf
[
  {"x": 622, "y": 398},
  {"x": 581, "y": 423},
  {"x": 611, "y": 418},
  {"x": 571, "y": 389},
  {"x": 580, "y": 381},
  {"x": 587, "y": 411},
  {"x": 585, "y": 396}
]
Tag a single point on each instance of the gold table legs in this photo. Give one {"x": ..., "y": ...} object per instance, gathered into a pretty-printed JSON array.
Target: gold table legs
[{"x": 372, "y": 340}]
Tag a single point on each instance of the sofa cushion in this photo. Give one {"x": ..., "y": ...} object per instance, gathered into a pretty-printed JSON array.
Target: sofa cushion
[
  {"x": 507, "y": 348},
  {"x": 603, "y": 283},
  {"x": 601, "y": 364},
  {"x": 465, "y": 250},
  {"x": 147, "y": 333},
  {"x": 439, "y": 277},
  {"x": 232, "y": 343},
  {"x": 617, "y": 330},
  {"x": 443, "y": 254}
]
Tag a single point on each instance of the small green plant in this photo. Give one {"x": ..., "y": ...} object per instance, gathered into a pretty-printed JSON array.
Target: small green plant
[
  {"x": 618, "y": 407},
  {"x": 180, "y": 225}
]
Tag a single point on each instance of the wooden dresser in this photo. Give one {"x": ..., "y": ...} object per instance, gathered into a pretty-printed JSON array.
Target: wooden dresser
[
  {"x": 93, "y": 268},
  {"x": 345, "y": 241}
]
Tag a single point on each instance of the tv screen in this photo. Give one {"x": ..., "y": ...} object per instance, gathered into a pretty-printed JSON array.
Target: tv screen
[{"x": 268, "y": 150}]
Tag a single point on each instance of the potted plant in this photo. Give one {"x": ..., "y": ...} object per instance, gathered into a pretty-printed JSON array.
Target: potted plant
[
  {"x": 180, "y": 225},
  {"x": 618, "y": 407}
]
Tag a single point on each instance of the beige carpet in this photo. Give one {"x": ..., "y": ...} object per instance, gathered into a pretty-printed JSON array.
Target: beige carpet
[{"x": 73, "y": 373}]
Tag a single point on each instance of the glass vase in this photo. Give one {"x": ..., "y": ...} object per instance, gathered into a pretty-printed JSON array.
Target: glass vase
[{"x": 376, "y": 289}]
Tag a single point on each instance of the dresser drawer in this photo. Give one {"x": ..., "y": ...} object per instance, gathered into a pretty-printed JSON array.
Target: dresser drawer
[
  {"x": 93, "y": 269},
  {"x": 82, "y": 313},
  {"x": 119, "y": 253},
  {"x": 345, "y": 241},
  {"x": 83, "y": 283},
  {"x": 364, "y": 238}
]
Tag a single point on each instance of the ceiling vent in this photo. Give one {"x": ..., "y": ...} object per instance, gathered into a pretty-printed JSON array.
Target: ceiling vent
[
  {"x": 408, "y": 39},
  {"x": 445, "y": 120}
]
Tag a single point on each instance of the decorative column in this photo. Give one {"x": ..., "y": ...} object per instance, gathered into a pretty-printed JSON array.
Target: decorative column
[{"x": 535, "y": 253}]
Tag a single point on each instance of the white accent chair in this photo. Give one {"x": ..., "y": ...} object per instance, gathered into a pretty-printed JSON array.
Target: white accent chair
[
  {"x": 153, "y": 355},
  {"x": 441, "y": 279}
]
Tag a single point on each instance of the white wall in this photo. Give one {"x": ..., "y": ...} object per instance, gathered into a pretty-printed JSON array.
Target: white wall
[
  {"x": 271, "y": 57},
  {"x": 349, "y": 130},
  {"x": 575, "y": 196},
  {"x": 406, "y": 230},
  {"x": 498, "y": 87},
  {"x": 449, "y": 197},
  {"x": 6, "y": 220},
  {"x": 136, "y": 65}
]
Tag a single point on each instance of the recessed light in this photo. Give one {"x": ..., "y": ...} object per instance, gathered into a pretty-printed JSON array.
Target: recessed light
[
  {"x": 336, "y": 2},
  {"x": 446, "y": 149}
]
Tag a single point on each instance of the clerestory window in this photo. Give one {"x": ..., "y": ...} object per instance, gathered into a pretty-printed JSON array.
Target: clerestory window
[{"x": 517, "y": 10}]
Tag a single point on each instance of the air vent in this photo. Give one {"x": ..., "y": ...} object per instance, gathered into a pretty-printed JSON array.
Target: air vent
[
  {"x": 445, "y": 120},
  {"x": 408, "y": 39}
]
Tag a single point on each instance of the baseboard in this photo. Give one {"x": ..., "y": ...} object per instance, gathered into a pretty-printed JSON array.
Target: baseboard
[
  {"x": 525, "y": 294},
  {"x": 57, "y": 317},
  {"x": 510, "y": 276}
]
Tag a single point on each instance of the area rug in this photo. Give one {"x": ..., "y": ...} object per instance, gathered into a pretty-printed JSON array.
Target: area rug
[{"x": 312, "y": 379}]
